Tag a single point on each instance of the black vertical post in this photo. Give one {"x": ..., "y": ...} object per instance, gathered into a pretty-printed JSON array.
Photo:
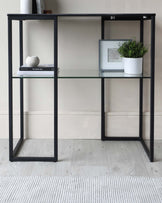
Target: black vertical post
[
  {"x": 21, "y": 82},
  {"x": 10, "y": 89},
  {"x": 56, "y": 88},
  {"x": 141, "y": 90},
  {"x": 152, "y": 89},
  {"x": 102, "y": 89},
  {"x": 141, "y": 30}
]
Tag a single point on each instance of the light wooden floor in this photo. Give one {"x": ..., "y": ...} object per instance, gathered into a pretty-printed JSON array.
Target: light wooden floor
[{"x": 85, "y": 158}]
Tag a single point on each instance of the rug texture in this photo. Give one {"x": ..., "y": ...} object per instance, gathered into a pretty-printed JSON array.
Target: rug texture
[{"x": 80, "y": 189}]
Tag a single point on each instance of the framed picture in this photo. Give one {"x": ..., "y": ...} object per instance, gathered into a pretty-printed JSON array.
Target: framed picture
[{"x": 109, "y": 58}]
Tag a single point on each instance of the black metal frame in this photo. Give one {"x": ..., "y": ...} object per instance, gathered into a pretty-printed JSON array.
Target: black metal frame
[
  {"x": 13, "y": 152},
  {"x": 150, "y": 152},
  {"x": 104, "y": 17}
]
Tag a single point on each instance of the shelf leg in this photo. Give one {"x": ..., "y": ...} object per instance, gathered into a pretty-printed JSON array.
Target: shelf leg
[
  {"x": 56, "y": 89},
  {"x": 102, "y": 88},
  {"x": 10, "y": 89},
  {"x": 141, "y": 109},
  {"x": 152, "y": 89},
  {"x": 141, "y": 89},
  {"x": 21, "y": 83},
  {"x": 102, "y": 109}
]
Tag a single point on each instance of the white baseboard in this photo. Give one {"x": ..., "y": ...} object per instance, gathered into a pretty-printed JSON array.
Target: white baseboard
[{"x": 81, "y": 125}]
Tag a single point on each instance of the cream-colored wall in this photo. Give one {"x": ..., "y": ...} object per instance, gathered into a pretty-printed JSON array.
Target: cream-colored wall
[{"x": 79, "y": 100}]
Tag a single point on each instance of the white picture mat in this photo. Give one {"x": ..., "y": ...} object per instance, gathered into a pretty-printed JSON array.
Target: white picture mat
[{"x": 107, "y": 47}]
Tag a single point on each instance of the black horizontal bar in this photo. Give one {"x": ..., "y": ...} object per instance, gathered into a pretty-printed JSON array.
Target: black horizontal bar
[
  {"x": 34, "y": 77},
  {"x": 18, "y": 146},
  {"x": 101, "y": 77},
  {"x": 109, "y": 16},
  {"x": 44, "y": 159},
  {"x": 82, "y": 77},
  {"x": 31, "y": 17},
  {"x": 126, "y": 17},
  {"x": 121, "y": 139}
]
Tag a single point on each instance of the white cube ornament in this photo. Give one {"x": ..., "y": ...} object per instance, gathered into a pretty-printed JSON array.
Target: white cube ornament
[{"x": 32, "y": 61}]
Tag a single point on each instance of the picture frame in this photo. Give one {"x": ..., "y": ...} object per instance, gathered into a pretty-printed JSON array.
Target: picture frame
[{"x": 109, "y": 58}]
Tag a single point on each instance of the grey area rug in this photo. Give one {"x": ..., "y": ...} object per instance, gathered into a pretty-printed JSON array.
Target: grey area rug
[{"x": 80, "y": 189}]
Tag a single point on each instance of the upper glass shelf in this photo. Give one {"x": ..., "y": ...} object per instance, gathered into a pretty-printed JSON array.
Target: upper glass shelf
[{"x": 83, "y": 73}]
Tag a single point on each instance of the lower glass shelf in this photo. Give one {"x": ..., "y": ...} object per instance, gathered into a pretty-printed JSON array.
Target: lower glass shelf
[{"x": 82, "y": 73}]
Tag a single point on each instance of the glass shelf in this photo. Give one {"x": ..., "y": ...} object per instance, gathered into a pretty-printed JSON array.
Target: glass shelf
[{"x": 83, "y": 73}]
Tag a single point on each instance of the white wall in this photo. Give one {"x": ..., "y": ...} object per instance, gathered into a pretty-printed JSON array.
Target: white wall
[{"x": 79, "y": 100}]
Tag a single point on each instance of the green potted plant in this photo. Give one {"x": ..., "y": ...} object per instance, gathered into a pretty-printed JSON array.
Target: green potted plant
[{"x": 132, "y": 53}]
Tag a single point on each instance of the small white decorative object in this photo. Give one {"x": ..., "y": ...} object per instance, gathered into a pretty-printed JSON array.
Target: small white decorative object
[
  {"x": 132, "y": 66},
  {"x": 25, "y": 6},
  {"x": 32, "y": 61}
]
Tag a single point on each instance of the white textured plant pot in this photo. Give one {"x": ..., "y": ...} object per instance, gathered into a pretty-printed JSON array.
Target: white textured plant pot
[
  {"x": 25, "y": 6},
  {"x": 132, "y": 66},
  {"x": 32, "y": 61}
]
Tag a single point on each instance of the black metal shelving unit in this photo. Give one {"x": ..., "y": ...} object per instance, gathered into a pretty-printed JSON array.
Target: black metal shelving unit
[{"x": 80, "y": 74}]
